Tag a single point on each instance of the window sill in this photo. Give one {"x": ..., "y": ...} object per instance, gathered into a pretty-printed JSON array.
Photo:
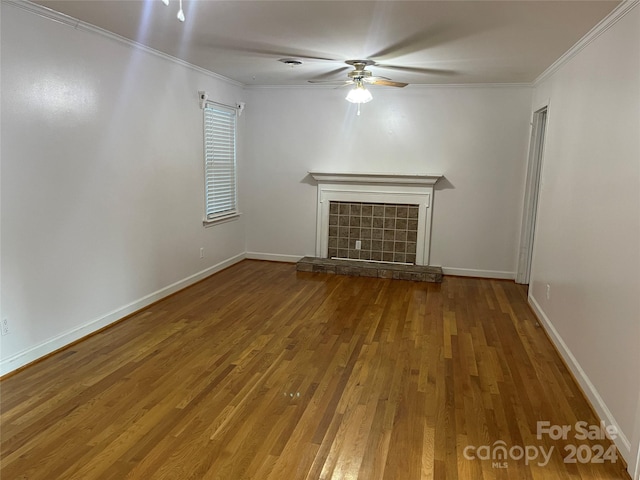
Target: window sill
[{"x": 222, "y": 219}]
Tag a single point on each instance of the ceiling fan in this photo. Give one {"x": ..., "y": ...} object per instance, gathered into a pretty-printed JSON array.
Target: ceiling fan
[{"x": 360, "y": 76}]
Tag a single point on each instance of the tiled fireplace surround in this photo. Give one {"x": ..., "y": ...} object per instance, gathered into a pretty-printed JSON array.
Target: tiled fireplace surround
[{"x": 387, "y": 232}]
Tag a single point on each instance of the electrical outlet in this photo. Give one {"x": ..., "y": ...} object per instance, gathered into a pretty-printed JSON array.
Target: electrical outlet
[
  {"x": 358, "y": 244},
  {"x": 201, "y": 252},
  {"x": 5, "y": 326},
  {"x": 548, "y": 291}
]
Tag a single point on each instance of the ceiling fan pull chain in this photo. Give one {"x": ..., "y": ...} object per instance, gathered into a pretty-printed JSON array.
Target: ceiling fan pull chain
[{"x": 358, "y": 109}]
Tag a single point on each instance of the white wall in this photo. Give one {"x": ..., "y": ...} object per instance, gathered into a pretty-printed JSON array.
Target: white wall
[
  {"x": 102, "y": 182},
  {"x": 587, "y": 243},
  {"x": 475, "y": 136},
  {"x": 102, "y": 188}
]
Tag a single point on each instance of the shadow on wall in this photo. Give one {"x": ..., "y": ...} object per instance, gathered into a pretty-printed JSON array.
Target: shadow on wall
[
  {"x": 443, "y": 184},
  {"x": 309, "y": 180}
]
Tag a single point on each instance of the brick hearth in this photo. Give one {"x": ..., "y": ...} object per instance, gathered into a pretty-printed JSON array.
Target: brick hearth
[{"x": 417, "y": 273}]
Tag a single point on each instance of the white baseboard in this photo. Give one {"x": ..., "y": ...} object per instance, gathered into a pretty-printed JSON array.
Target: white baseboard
[
  {"x": 622, "y": 442},
  {"x": 38, "y": 351},
  {"x": 273, "y": 257},
  {"x": 470, "y": 272}
]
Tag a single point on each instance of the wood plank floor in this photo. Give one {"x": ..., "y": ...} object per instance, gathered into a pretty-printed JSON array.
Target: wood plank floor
[{"x": 260, "y": 372}]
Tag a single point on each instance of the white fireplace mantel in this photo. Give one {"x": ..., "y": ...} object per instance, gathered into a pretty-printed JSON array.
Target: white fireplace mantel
[
  {"x": 411, "y": 189},
  {"x": 385, "y": 178}
]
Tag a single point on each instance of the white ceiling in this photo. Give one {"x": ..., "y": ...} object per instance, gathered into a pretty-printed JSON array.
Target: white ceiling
[{"x": 509, "y": 41}]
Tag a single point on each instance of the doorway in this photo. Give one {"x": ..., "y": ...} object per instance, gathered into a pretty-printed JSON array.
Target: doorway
[{"x": 532, "y": 193}]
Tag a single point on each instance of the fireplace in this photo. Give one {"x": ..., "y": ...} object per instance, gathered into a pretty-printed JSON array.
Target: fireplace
[{"x": 374, "y": 217}]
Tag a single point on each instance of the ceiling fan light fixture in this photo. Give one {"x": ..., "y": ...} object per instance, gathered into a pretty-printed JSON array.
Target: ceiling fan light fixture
[{"x": 359, "y": 94}]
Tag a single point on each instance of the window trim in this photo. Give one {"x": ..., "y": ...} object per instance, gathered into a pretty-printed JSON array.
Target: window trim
[
  {"x": 234, "y": 213},
  {"x": 221, "y": 219}
]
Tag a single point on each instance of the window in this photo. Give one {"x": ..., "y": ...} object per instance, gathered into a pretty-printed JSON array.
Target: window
[{"x": 220, "y": 162}]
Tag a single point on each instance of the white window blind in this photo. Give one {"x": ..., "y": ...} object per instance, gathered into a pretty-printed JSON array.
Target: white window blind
[{"x": 220, "y": 161}]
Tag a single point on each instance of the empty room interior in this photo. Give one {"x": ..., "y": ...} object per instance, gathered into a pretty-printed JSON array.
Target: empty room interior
[{"x": 320, "y": 239}]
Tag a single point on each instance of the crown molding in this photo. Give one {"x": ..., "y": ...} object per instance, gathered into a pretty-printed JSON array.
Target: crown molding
[
  {"x": 607, "y": 22},
  {"x": 87, "y": 27}
]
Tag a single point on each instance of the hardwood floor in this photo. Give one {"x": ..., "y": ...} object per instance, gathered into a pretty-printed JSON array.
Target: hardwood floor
[{"x": 260, "y": 372}]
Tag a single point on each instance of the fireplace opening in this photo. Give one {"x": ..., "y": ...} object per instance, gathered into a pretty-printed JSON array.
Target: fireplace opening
[{"x": 378, "y": 232}]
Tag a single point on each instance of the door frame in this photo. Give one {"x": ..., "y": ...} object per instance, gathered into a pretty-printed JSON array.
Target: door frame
[{"x": 539, "y": 122}]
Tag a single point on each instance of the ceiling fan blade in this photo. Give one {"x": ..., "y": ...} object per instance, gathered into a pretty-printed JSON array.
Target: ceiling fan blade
[
  {"x": 431, "y": 37},
  {"x": 384, "y": 82},
  {"x": 332, "y": 73},
  {"x": 332, "y": 82},
  {"x": 264, "y": 49},
  {"x": 306, "y": 57},
  {"x": 426, "y": 71},
  {"x": 413, "y": 43},
  {"x": 279, "y": 53}
]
